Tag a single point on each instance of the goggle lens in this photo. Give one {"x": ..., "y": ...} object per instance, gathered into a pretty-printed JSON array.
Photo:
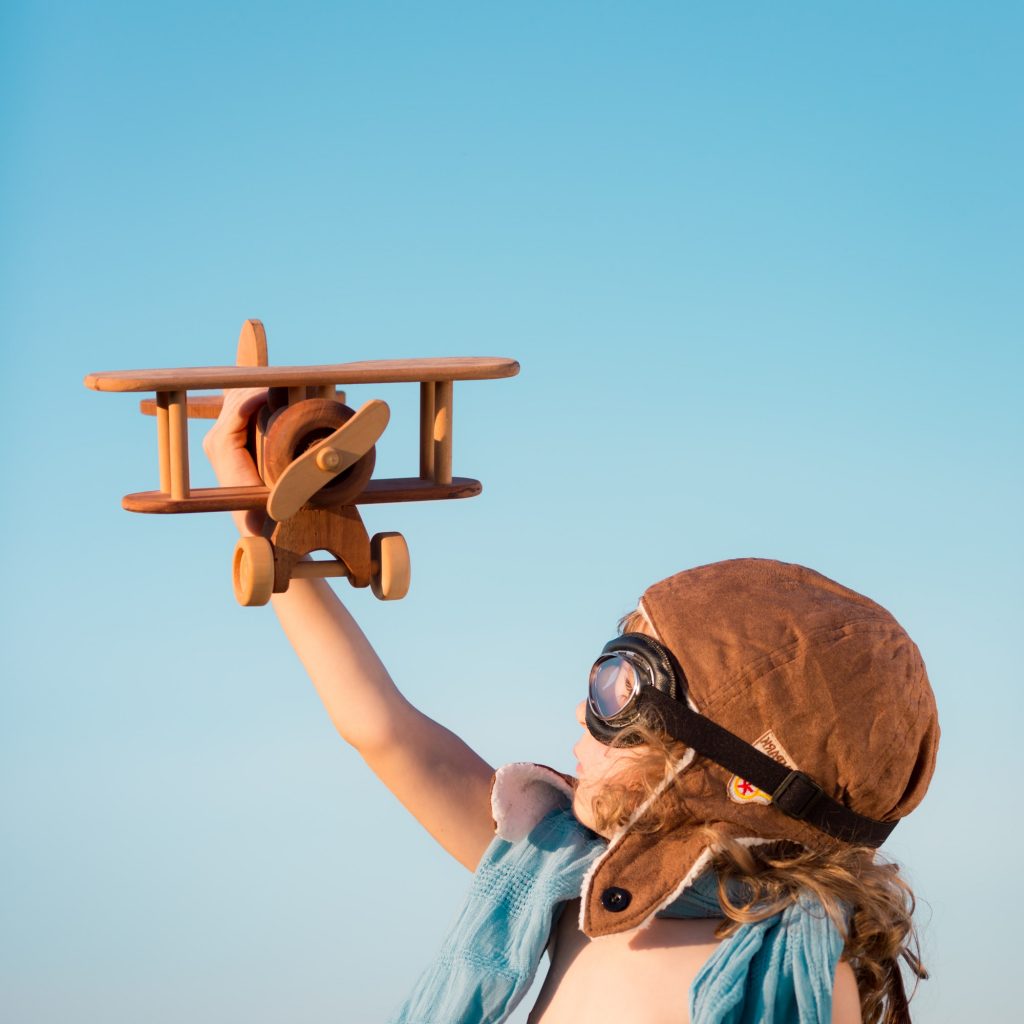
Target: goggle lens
[{"x": 614, "y": 682}]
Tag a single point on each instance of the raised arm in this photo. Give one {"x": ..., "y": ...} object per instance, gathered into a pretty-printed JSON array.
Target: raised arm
[{"x": 438, "y": 778}]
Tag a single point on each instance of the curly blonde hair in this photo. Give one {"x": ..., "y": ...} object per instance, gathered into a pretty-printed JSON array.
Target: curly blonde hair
[{"x": 870, "y": 903}]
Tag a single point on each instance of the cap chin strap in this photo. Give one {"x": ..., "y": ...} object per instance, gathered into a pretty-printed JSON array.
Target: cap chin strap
[{"x": 794, "y": 793}]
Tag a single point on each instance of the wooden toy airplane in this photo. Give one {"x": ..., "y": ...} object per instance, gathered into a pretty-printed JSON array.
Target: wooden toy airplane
[{"x": 315, "y": 456}]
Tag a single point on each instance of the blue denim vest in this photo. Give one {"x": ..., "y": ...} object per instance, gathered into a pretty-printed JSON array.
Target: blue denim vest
[{"x": 777, "y": 971}]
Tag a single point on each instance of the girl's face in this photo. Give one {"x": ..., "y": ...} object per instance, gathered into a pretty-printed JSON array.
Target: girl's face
[{"x": 597, "y": 764}]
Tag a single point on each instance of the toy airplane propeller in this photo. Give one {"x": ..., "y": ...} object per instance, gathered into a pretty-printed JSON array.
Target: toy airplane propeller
[{"x": 315, "y": 456}]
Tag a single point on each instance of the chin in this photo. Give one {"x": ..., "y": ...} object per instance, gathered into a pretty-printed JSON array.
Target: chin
[{"x": 582, "y": 811}]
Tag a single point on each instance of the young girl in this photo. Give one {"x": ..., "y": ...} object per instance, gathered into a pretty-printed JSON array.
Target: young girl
[{"x": 748, "y": 741}]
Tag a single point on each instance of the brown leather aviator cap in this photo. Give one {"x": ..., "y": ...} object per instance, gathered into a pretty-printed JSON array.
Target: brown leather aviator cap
[{"x": 812, "y": 674}]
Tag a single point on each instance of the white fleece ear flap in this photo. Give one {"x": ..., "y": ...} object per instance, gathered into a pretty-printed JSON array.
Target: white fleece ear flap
[{"x": 522, "y": 794}]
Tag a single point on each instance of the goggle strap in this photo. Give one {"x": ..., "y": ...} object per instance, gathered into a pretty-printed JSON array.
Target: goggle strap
[{"x": 794, "y": 793}]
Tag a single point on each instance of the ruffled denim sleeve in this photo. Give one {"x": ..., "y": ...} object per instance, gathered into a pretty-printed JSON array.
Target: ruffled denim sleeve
[
  {"x": 776, "y": 971},
  {"x": 489, "y": 959}
]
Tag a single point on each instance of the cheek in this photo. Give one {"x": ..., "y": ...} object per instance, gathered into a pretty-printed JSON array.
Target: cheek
[
  {"x": 599, "y": 764},
  {"x": 592, "y": 753}
]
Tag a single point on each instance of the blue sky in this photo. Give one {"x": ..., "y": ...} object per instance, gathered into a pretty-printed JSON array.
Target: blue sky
[{"x": 760, "y": 265}]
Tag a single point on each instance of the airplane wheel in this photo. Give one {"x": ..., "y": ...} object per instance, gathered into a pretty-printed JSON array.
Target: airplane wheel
[
  {"x": 292, "y": 431},
  {"x": 252, "y": 571},
  {"x": 389, "y": 556}
]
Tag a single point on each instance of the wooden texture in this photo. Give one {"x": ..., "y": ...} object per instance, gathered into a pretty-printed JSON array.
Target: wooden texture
[
  {"x": 290, "y": 430},
  {"x": 339, "y": 532},
  {"x": 427, "y": 430},
  {"x": 328, "y": 392},
  {"x": 321, "y": 568},
  {"x": 294, "y": 431},
  {"x": 259, "y": 436},
  {"x": 381, "y": 371},
  {"x": 252, "y": 345},
  {"x": 163, "y": 441},
  {"x": 328, "y": 459},
  {"x": 277, "y": 398},
  {"x": 207, "y": 407},
  {"x": 241, "y": 499},
  {"x": 389, "y": 558},
  {"x": 177, "y": 429},
  {"x": 305, "y": 476},
  {"x": 252, "y": 571},
  {"x": 443, "y": 395}
]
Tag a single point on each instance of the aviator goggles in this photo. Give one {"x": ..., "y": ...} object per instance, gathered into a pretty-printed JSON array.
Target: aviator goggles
[
  {"x": 615, "y": 682},
  {"x": 635, "y": 678},
  {"x": 622, "y": 682}
]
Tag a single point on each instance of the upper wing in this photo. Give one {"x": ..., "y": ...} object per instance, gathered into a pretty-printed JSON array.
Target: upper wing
[{"x": 374, "y": 371}]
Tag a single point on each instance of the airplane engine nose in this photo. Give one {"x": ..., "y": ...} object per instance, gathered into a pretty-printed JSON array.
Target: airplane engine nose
[{"x": 292, "y": 431}]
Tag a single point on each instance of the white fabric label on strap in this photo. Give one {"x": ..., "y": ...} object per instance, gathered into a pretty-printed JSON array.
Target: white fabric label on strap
[{"x": 742, "y": 792}]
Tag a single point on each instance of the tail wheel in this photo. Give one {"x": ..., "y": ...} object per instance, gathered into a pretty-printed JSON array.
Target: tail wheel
[
  {"x": 389, "y": 558},
  {"x": 252, "y": 571}
]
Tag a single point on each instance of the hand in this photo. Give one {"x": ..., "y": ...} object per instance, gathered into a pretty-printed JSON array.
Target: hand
[{"x": 225, "y": 447}]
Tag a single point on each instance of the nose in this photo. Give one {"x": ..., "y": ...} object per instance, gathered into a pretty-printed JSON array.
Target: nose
[{"x": 581, "y": 712}]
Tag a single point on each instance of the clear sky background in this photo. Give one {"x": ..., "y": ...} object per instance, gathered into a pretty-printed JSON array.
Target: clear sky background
[{"x": 761, "y": 265}]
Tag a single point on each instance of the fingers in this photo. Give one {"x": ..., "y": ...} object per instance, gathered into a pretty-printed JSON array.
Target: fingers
[
  {"x": 230, "y": 431},
  {"x": 241, "y": 403}
]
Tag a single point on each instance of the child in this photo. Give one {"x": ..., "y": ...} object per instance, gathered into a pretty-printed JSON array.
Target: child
[{"x": 749, "y": 739}]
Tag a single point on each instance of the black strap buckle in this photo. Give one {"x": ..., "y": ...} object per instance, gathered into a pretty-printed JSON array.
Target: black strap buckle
[{"x": 797, "y": 794}]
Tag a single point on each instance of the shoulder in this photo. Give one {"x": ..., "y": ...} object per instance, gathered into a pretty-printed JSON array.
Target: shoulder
[{"x": 845, "y": 997}]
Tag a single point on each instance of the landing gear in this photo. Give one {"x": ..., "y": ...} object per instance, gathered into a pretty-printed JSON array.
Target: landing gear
[
  {"x": 252, "y": 571},
  {"x": 390, "y": 572}
]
